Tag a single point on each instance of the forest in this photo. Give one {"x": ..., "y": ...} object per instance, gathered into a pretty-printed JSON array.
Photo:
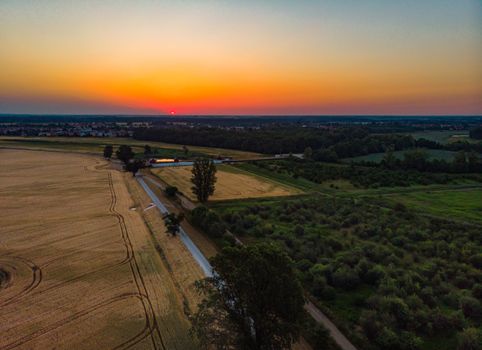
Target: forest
[
  {"x": 368, "y": 175},
  {"x": 392, "y": 278},
  {"x": 329, "y": 143}
]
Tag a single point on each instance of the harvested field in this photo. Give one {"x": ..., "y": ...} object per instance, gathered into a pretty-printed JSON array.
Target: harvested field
[
  {"x": 184, "y": 270},
  {"x": 96, "y": 145},
  {"x": 83, "y": 271},
  {"x": 232, "y": 183}
]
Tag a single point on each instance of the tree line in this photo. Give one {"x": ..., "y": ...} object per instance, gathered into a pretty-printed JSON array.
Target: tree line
[
  {"x": 372, "y": 175},
  {"x": 328, "y": 144}
]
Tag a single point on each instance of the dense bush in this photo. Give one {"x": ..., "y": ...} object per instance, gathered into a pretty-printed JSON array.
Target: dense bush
[
  {"x": 372, "y": 176},
  {"x": 208, "y": 221},
  {"x": 170, "y": 191},
  {"x": 403, "y": 277}
]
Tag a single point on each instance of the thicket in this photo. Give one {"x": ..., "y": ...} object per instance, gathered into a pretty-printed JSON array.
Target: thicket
[
  {"x": 476, "y": 133},
  {"x": 372, "y": 176},
  {"x": 328, "y": 144},
  {"x": 405, "y": 278}
]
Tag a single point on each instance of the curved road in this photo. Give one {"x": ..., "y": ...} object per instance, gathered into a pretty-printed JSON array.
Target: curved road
[{"x": 317, "y": 315}]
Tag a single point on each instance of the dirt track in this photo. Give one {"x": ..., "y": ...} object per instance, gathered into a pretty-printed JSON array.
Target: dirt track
[{"x": 83, "y": 269}]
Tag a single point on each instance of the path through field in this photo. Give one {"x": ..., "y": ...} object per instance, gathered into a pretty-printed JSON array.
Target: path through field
[{"x": 83, "y": 270}]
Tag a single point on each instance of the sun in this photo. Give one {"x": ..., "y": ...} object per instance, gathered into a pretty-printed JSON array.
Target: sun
[{"x": 172, "y": 112}]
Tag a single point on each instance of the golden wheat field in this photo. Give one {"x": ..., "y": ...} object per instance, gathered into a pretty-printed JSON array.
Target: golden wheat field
[
  {"x": 231, "y": 183},
  {"x": 83, "y": 270}
]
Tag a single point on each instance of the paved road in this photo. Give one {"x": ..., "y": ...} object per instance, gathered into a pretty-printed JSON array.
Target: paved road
[
  {"x": 185, "y": 202},
  {"x": 317, "y": 315},
  {"x": 196, "y": 253}
]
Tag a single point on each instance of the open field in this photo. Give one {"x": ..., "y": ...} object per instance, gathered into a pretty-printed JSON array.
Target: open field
[
  {"x": 83, "y": 271},
  {"x": 444, "y": 136},
  {"x": 286, "y": 179},
  {"x": 457, "y": 204},
  {"x": 232, "y": 183},
  {"x": 431, "y": 153},
  {"x": 96, "y": 145}
]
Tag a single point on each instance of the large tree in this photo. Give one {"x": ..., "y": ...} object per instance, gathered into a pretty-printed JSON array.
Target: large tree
[
  {"x": 203, "y": 178},
  {"x": 254, "y": 300},
  {"x": 134, "y": 165},
  {"x": 108, "y": 150},
  {"x": 147, "y": 150},
  {"x": 124, "y": 153},
  {"x": 173, "y": 222},
  {"x": 470, "y": 339}
]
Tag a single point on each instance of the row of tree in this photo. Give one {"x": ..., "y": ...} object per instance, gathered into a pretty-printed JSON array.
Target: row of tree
[
  {"x": 418, "y": 159},
  {"x": 372, "y": 175},
  {"x": 327, "y": 144}
]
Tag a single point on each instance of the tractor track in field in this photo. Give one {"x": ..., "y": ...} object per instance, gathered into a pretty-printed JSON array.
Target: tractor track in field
[
  {"x": 136, "y": 273},
  {"x": 36, "y": 278},
  {"x": 150, "y": 327},
  {"x": 125, "y": 345}
]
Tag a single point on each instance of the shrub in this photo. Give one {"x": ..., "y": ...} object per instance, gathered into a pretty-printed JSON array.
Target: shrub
[
  {"x": 346, "y": 278},
  {"x": 170, "y": 191},
  {"x": 471, "y": 307}
]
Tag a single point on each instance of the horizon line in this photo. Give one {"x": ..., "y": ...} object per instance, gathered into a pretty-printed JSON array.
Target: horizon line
[{"x": 231, "y": 115}]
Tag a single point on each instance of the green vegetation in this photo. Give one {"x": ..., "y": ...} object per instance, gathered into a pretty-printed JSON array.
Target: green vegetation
[
  {"x": 203, "y": 178},
  {"x": 456, "y": 204},
  {"x": 173, "y": 222},
  {"x": 378, "y": 157},
  {"x": 124, "y": 153},
  {"x": 134, "y": 166},
  {"x": 108, "y": 151},
  {"x": 358, "y": 176},
  {"x": 443, "y": 136},
  {"x": 279, "y": 176},
  {"x": 171, "y": 191},
  {"x": 393, "y": 278},
  {"x": 476, "y": 133},
  {"x": 254, "y": 301}
]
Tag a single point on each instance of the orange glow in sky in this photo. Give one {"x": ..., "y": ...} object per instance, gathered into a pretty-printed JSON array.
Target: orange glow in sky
[{"x": 241, "y": 57}]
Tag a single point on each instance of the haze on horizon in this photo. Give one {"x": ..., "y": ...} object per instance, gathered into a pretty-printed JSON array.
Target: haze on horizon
[{"x": 241, "y": 57}]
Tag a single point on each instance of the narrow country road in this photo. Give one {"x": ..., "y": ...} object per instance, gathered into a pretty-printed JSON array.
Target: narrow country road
[
  {"x": 317, "y": 315},
  {"x": 196, "y": 253},
  {"x": 335, "y": 333}
]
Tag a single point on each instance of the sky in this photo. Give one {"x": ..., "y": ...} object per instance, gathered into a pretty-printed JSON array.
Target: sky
[{"x": 241, "y": 57}]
